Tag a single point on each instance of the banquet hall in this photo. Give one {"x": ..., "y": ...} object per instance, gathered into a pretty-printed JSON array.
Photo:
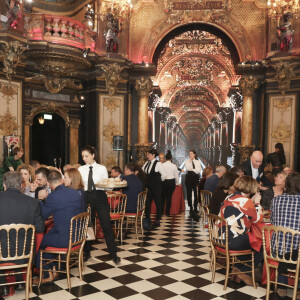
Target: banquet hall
[{"x": 221, "y": 77}]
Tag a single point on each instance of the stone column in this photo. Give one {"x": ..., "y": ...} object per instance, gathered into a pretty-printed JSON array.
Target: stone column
[
  {"x": 247, "y": 86},
  {"x": 74, "y": 139},
  {"x": 143, "y": 87}
]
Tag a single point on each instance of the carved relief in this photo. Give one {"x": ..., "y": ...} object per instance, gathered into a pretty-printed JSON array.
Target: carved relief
[
  {"x": 112, "y": 104},
  {"x": 110, "y": 161},
  {"x": 282, "y": 103},
  {"x": 282, "y": 132},
  {"x": 11, "y": 53},
  {"x": 112, "y": 76},
  {"x": 8, "y": 124},
  {"x": 143, "y": 86},
  {"x": 248, "y": 85},
  {"x": 109, "y": 130},
  {"x": 284, "y": 75}
]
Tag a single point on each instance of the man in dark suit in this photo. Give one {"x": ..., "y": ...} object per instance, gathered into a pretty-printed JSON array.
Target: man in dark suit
[
  {"x": 63, "y": 204},
  {"x": 134, "y": 187},
  {"x": 18, "y": 208},
  {"x": 254, "y": 167}
]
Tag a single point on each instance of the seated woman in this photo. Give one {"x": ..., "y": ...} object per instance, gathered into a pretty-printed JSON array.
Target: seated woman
[
  {"x": 28, "y": 177},
  {"x": 225, "y": 188},
  {"x": 241, "y": 212},
  {"x": 273, "y": 191}
]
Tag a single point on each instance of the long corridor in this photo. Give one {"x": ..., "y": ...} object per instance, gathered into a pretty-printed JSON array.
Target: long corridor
[{"x": 170, "y": 263}]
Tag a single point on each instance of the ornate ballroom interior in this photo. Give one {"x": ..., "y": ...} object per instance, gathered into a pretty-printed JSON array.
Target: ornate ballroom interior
[{"x": 220, "y": 76}]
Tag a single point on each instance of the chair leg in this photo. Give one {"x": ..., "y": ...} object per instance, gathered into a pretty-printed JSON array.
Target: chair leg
[
  {"x": 80, "y": 264},
  {"x": 121, "y": 230},
  {"x": 227, "y": 272},
  {"x": 268, "y": 281},
  {"x": 213, "y": 265},
  {"x": 27, "y": 284},
  {"x": 41, "y": 268},
  {"x": 68, "y": 270},
  {"x": 142, "y": 228},
  {"x": 276, "y": 278},
  {"x": 253, "y": 273},
  {"x": 136, "y": 227}
]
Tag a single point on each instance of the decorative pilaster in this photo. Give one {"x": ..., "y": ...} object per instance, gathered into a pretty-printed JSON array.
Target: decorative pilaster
[{"x": 74, "y": 140}]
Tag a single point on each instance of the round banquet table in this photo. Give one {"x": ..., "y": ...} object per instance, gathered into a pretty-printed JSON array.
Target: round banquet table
[{"x": 177, "y": 204}]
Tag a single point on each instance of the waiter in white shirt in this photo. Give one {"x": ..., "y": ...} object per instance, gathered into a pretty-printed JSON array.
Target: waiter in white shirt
[
  {"x": 155, "y": 176},
  {"x": 172, "y": 179},
  {"x": 92, "y": 173},
  {"x": 193, "y": 167}
]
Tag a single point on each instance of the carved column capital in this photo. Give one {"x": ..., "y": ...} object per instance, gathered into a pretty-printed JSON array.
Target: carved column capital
[
  {"x": 74, "y": 123},
  {"x": 245, "y": 152},
  {"x": 248, "y": 85},
  {"x": 144, "y": 86}
]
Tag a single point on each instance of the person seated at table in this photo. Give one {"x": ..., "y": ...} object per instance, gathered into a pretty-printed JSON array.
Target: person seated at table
[
  {"x": 225, "y": 188},
  {"x": 239, "y": 170},
  {"x": 17, "y": 208},
  {"x": 285, "y": 212},
  {"x": 211, "y": 183},
  {"x": 134, "y": 187},
  {"x": 73, "y": 180},
  {"x": 27, "y": 173},
  {"x": 141, "y": 175},
  {"x": 35, "y": 164},
  {"x": 63, "y": 204},
  {"x": 206, "y": 173},
  {"x": 273, "y": 191},
  {"x": 241, "y": 212},
  {"x": 276, "y": 160},
  {"x": 116, "y": 172},
  {"x": 40, "y": 188}
]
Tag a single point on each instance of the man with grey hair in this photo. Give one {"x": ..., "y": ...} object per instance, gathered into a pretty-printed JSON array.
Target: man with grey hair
[
  {"x": 17, "y": 208},
  {"x": 211, "y": 182}
]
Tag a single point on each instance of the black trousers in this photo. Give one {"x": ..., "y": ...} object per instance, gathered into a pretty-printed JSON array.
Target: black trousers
[
  {"x": 191, "y": 183},
  {"x": 154, "y": 193},
  {"x": 168, "y": 190},
  {"x": 99, "y": 203}
]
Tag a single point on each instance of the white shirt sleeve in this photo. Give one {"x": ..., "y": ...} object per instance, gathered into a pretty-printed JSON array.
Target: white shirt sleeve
[{"x": 160, "y": 168}]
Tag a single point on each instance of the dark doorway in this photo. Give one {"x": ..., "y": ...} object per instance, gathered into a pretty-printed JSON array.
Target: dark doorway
[{"x": 49, "y": 140}]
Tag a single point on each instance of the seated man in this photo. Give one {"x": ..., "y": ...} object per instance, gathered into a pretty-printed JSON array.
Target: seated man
[
  {"x": 212, "y": 181},
  {"x": 115, "y": 172},
  {"x": 40, "y": 189},
  {"x": 17, "y": 208},
  {"x": 63, "y": 204},
  {"x": 134, "y": 187}
]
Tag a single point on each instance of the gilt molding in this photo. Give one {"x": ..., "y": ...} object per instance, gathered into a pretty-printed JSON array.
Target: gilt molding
[
  {"x": 144, "y": 86},
  {"x": 284, "y": 74},
  {"x": 248, "y": 85}
]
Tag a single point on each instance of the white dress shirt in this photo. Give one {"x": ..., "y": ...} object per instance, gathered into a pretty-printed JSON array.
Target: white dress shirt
[
  {"x": 99, "y": 172},
  {"x": 189, "y": 166},
  {"x": 171, "y": 171},
  {"x": 158, "y": 168},
  {"x": 254, "y": 171}
]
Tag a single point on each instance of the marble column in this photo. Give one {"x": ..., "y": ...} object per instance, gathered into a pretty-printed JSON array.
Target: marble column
[
  {"x": 247, "y": 86},
  {"x": 143, "y": 87},
  {"x": 74, "y": 141}
]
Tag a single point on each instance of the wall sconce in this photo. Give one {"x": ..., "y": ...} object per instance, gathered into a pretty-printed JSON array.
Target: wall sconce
[{"x": 41, "y": 120}]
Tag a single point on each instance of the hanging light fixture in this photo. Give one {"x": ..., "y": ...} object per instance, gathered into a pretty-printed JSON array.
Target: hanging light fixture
[{"x": 41, "y": 120}]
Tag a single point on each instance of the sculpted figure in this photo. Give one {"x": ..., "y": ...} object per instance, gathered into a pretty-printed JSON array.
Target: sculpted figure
[
  {"x": 285, "y": 33},
  {"x": 111, "y": 34}
]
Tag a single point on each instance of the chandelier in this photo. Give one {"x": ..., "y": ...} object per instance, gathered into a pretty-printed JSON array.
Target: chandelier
[
  {"x": 120, "y": 9},
  {"x": 276, "y": 8}
]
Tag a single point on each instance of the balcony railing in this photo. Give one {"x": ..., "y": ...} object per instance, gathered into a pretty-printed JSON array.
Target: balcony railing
[{"x": 58, "y": 30}]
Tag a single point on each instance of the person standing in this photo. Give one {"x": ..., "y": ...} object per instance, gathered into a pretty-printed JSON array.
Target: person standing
[
  {"x": 155, "y": 176},
  {"x": 277, "y": 159},
  {"x": 172, "y": 179},
  {"x": 92, "y": 173},
  {"x": 11, "y": 163},
  {"x": 193, "y": 168}
]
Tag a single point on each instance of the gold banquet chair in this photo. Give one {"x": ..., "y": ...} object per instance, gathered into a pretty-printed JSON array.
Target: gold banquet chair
[
  {"x": 137, "y": 218},
  {"x": 220, "y": 249},
  {"x": 117, "y": 207},
  {"x": 74, "y": 253},
  {"x": 23, "y": 237},
  {"x": 205, "y": 197},
  {"x": 272, "y": 257}
]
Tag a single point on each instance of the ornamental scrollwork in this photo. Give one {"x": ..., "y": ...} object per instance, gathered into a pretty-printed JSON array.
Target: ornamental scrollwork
[
  {"x": 143, "y": 86},
  {"x": 284, "y": 75},
  {"x": 282, "y": 103},
  {"x": 112, "y": 76},
  {"x": 112, "y": 104},
  {"x": 109, "y": 130},
  {"x": 282, "y": 132},
  {"x": 8, "y": 124},
  {"x": 11, "y": 53},
  {"x": 248, "y": 85},
  {"x": 110, "y": 161}
]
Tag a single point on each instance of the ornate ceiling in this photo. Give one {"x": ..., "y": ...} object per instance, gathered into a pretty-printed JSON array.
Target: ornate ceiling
[{"x": 195, "y": 71}]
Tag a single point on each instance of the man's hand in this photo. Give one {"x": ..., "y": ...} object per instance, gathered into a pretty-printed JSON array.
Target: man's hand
[
  {"x": 256, "y": 198},
  {"x": 43, "y": 194},
  {"x": 33, "y": 187}
]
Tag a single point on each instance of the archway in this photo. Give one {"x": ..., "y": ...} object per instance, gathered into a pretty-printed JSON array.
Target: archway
[
  {"x": 49, "y": 139},
  {"x": 196, "y": 67}
]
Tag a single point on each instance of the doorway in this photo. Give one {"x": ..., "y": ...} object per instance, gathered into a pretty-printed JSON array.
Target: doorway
[{"x": 49, "y": 139}]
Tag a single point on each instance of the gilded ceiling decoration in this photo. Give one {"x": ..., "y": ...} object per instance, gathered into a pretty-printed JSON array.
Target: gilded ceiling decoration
[{"x": 195, "y": 71}]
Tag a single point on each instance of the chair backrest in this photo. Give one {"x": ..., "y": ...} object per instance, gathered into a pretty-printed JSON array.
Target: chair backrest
[
  {"x": 218, "y": 231},
  {"x": 281, "y": 244},
  {"x": 78, "y": 229},
  {"x": 117, "y": 203},
  {"x": 141, "y": 201},
  {"x": 17, "y": 241},
  {"x": 205, "y": 197}
]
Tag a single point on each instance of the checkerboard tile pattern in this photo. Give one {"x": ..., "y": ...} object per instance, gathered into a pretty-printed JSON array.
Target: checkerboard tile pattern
[{"x": 171, "y": 262}]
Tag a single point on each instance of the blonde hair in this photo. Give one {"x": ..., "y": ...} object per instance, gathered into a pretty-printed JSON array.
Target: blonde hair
[
  {"x": 246, "y": 184},
  {"x": 30, "y": 170}
]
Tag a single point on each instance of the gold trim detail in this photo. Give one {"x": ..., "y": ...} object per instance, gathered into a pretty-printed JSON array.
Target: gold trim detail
[
  {"x": 11, "y": 53},
  {"x": 8, "y": 124},
  {"x": 110, "y": 161},
  {"x": 248, "y": 85},
  {"x": 74, "y": 123},
  {"x": 282, "y": 132},
  {"x": 143, "y": 86},
  {"x": 109, "y": 130},
  {"x": 282, "y": 103},
  {"x": 284, "y": 75},
  {"x": 112, "y": 104}
]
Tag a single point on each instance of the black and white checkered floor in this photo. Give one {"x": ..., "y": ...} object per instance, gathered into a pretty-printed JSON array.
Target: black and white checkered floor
[{"x": 170, "y": 263}]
